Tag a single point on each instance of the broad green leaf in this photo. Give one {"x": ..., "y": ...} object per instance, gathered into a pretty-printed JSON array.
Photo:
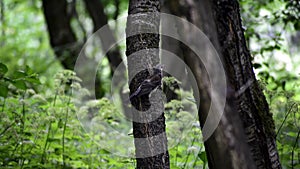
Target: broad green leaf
[
  {"x": 28, "y": 70},
  {"x": 34, "y": 80},
  {"x": 54, "y": 140},
  {"x": 3, "y": 90},
  {"x": 3, "y": 69},
  {"x": 202, "y": 156},
  {"x": 20, "y": 84},
  {"x": 103, "y": 151},
  {"x": 19, "y": 74},
  {"x": 256, "y": 65}
]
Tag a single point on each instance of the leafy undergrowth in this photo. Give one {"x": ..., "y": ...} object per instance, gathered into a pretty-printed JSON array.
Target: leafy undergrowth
[{"x": 41, "y": 129}]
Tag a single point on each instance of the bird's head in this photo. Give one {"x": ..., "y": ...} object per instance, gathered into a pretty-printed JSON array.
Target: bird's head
[{"x": 159, "y": 67}]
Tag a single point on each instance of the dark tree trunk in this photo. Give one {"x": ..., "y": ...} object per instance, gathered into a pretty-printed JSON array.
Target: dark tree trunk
[
  {"x": 227, "y": 147},
  {"x": 62, "y": 37},
  {"x": 96, "y": 11},
  {"x": 64, "y": 42},
  {"x": 254, "y": 143},
  {"x": 100, "y": 20},
  {"x": 148, "y": 127},
  {"x": 253, "y": 107}
]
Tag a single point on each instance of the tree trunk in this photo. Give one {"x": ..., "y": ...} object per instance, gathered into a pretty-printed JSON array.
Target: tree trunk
[
  {"x": 62, "y": 37},
  {"x": 143, "y": 54},
  {"x": 253, "y": 107},
  {"x": 96, "y": 11},
  {"x": 254, "y": 143},
  {"x": 64, "y": 41}
]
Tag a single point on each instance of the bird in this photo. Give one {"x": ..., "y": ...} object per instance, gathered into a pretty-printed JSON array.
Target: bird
[{"x": 149, "y": 84}]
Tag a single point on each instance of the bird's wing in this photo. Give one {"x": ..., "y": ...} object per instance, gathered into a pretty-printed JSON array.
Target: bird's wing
[{"x": 135, "y": 93}]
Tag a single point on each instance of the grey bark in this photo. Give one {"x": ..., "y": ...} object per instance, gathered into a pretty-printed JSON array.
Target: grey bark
[{"x": 143, "y": 54}]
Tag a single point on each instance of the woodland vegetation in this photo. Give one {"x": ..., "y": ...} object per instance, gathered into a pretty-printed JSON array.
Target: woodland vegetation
[{"x": 43, "y": 126}]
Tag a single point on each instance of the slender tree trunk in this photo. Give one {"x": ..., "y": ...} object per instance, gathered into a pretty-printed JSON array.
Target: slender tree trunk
[
  {"x": 143, "y": 54},
  {"x": 96, "y": 11},
  {"x": 245, "y": 135},
  {"x": 100, "y": 21}
]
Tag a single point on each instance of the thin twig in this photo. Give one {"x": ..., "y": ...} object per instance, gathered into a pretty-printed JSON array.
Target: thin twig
[
  {"x": 64, "y": 131},
  {"x": 197, "y": 158},
  {"x": 22, "y": 130},
  {"x": 185, "y": 163},
  {"x": 9, "y": 126},
  {"x": 49, "y": 130},
  {"x": 286, "y": 116}
]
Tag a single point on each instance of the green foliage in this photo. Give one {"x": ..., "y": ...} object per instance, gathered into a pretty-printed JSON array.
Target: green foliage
[
  {"x": 24, "y": 40},
  {"x": 20, "y": 80},
  {"x": 270, "y": 27},
  {"x": 111, "y": 7},
  {"x": 183, "y": 131},
  {"x": 39, "y": 127},
  {"x": 43, "y": 132}
]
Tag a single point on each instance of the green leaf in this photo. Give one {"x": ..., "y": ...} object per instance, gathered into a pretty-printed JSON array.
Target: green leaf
[
  {"x": 202, "y": 156},
  {"x": 103, "y": 151},
  {"x": 19, "y": 74},
  {"x": 28, "y": 70},
  {"x": 20, "y": 84},
  {"x": 256, "y": 65},
  {"x": 3, "y": 69},
  {"x": 3, "y": 90},
  {"x": 58, "y": 151},
  {"x": 33, "y": 79},
  {"x": 283, "y": 83},
  {"x": 297, "y": 25},
  {"x": 54, "y": 140},
  {"x": 277, "y": 47}
]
